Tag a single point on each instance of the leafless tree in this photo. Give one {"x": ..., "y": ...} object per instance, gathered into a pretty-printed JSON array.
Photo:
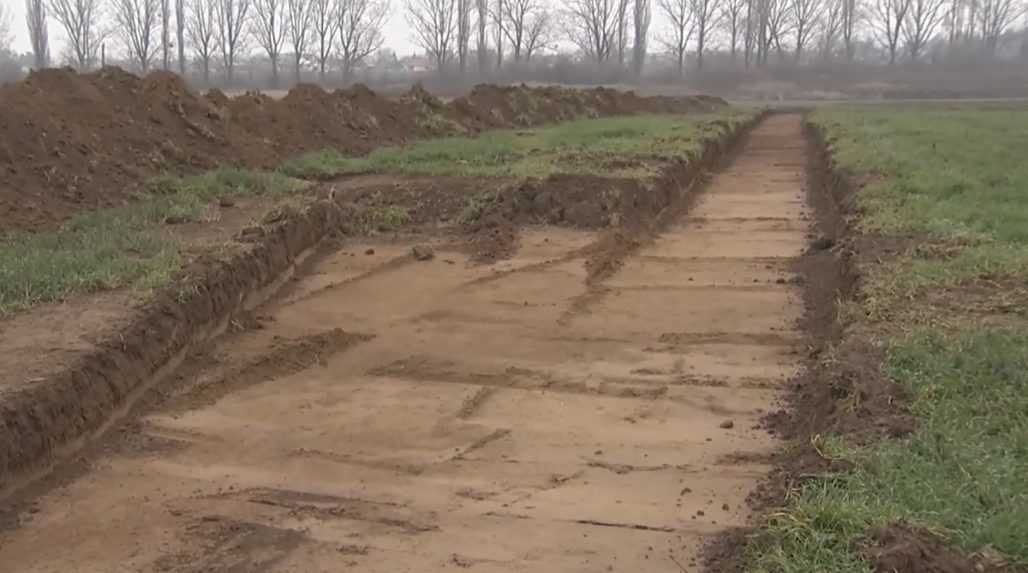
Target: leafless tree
[
  {"x": 517, "y": 19},
  {"x": 298, "y": 26},
  {"x": 679, "y": 17},
  {"x": 642, "y": 15},
  {"x": 482, "y": 42},
  {"x": 360, "y": 30},
  {"x": 180, "y": 34},
  {"x": 6, "y": 36},
  {"x": 137, "y": 22},
  {"x": 324, "y": 30},
  {"x": 621, "y": 30},
  {"x": 464, "y": 10},
  {"x": 831, "y": 24},
  {"x": 848, "y": 26},
  {"x": 499, "y": 26},
  {"x": 804, "y": 14},
  {"x": 434, "y": 24},
  {"x": 592, "y": 27},
  {"x": 201, "y": 29},
  {"x": 232, "y": 19},
  {"x": 80, "y": 20},
  {"x": 165, "y": 34},
  {"x": 775, "y": 25},
  {"x": 996, "y": 17},
  {"x": 39, "y": 36},
  {"x": 750, "y": 34},
  {"x": 269, "y": 30},
  {"x": 733, "y": 19},
  {"x": 705, "y": 18},
  {"x": 887, "y": 18},
  {"x": 922, "y": 19},
  {"x": 538, "y": 36}
]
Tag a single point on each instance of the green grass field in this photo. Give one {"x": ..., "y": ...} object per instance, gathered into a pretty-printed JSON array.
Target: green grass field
[
  {"x": 113, "y": 248},
  {"x": 633, "y": 146},
  {"x": 955, "y": 185}
]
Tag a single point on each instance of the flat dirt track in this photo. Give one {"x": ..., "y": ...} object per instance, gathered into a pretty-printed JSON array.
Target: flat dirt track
[{"x": 391, "y": 414}]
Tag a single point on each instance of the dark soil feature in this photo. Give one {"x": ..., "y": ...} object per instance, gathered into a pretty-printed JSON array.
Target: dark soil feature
[
  {"x": 903, "y": 549},
  {"x": 72, "y": 142},
  {"x": 844, "y": 391}
]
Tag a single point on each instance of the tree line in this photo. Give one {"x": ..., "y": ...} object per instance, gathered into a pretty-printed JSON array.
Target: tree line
[{"x": 481, "y": 36}]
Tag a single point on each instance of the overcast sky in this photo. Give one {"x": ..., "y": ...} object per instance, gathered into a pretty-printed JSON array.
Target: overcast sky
[{"x": 397, "y": 35}]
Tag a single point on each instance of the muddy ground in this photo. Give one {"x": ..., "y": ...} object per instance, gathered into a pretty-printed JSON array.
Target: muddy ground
[{"x": 401, "y": 406}]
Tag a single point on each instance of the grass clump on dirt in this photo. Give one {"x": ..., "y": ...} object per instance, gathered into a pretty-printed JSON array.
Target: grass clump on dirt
[
  {"x": 118, "y": 247},
  {"x": 953, "y": 187},
  {"x": 632, "y": 146}
]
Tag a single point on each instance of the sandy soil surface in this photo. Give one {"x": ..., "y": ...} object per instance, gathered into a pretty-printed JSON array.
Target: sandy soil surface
[{"x": 393, "y": 414}]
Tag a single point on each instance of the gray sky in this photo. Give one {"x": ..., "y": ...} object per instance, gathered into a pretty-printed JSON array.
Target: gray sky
[{"x": 397, "y": 35}]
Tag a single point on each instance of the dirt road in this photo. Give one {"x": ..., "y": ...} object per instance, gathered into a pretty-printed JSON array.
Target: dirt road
[{"x": 494, "y": 418}]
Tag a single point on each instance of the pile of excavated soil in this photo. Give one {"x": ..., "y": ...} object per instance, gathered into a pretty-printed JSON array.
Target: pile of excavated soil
[{"x": 70, "y": 142}]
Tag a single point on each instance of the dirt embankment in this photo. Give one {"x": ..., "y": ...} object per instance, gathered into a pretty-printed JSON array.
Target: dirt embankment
[
  {"x": 70, "y": 142},
  {"x": 842, "y": 389}
]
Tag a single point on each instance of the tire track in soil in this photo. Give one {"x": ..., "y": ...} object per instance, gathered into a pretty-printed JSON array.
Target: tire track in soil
[{"x": 515, "y": 434}]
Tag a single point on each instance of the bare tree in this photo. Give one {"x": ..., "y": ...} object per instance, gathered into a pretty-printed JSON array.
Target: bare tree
[
  {"x": 996, "y": 17},
  {"x": 482, "y": 42},
  {"x": 360, "y": 30},
  {"x": 6, "y": 36},
  {"x": 922, "y": 19},
  {"x": 750, "y": 39},
  {"x": 80, "y": 20},
  {"x": 887, "y": 18},
  {"x": 180, "y": 34},
  {"x": 539, "y": 33},
  {"x": 517, "y": 16},
  {"x": 592, "y": 27},
  {"x": 705, "y": 18},
  {"x": 850, "y": 17},
  {"x": 804, "y": 14},
  {"x": 642, "y": 14},
  {"x": 39, "y": 37},
  {"x": 464, "y": 9},
  {"x": 324, "y": 29},
  {"x": 733, "y": 18},
  {"x": 137, "y": 22},
  {"x": 621, "y": 30},
  {"x": 680, "y": 19},
  {"x": 831, "y": 24},
  {"x": 498, "y": 28},
  {"x": 165, "y": 34},
  {"x": 201, "y": 29},
  {"x": 434, "y": 24},
  {"x": 232, "y": 19},
  {"x": 298, "y": 25},
  {"x": 269, "y": 30}
]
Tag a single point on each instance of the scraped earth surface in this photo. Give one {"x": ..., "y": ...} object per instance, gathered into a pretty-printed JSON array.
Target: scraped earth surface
[{"x": 393, "y": 414}]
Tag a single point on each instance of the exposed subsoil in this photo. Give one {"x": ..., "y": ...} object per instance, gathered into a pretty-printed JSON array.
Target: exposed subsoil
[
  {"x": 847, "y": 395},
  {"x": 531, "y": 414},
  {"x": 72, "y": 142}
]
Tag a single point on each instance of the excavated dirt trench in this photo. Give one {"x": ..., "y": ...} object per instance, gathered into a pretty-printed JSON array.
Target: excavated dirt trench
[{"x": 397, "y": 415}]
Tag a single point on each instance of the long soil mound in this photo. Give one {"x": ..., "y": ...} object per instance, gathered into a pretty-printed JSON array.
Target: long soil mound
[{"x": 70, "y": 142}]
